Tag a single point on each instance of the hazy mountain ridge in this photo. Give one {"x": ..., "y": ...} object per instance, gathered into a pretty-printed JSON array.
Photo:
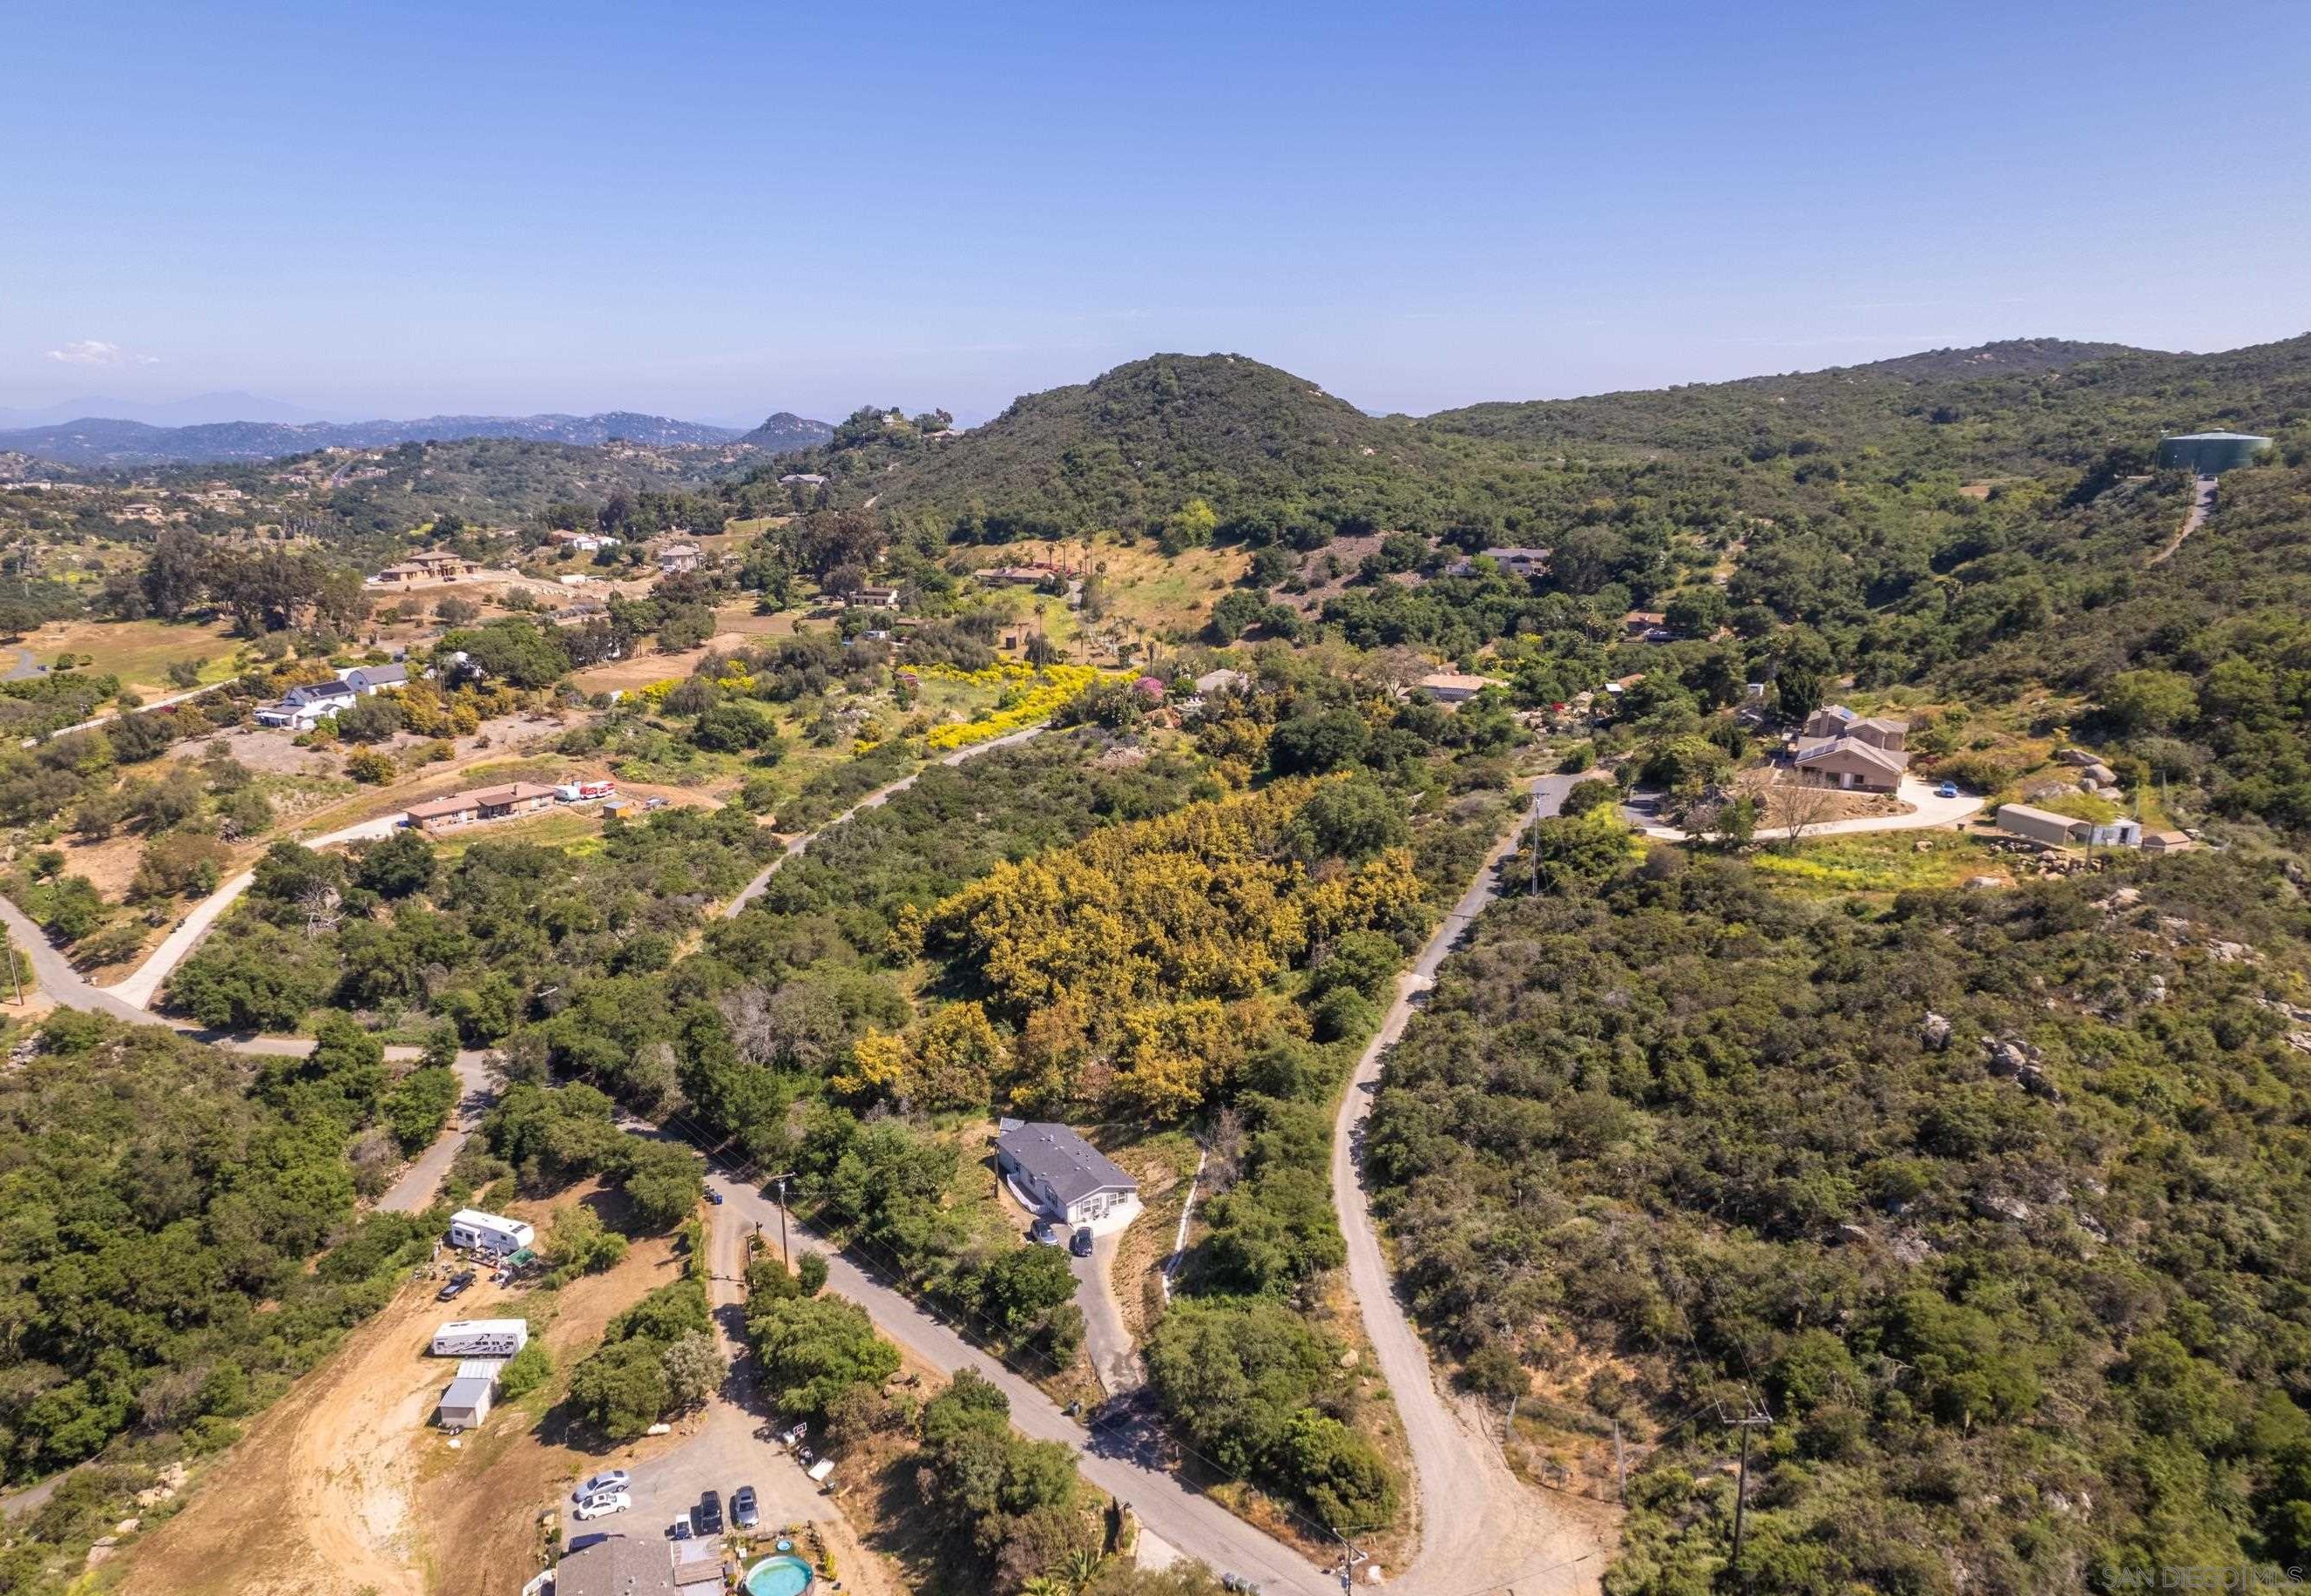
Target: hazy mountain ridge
[{"x": 99, "y": 442}]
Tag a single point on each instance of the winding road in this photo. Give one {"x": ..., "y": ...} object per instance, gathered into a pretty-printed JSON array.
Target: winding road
[{"x": 1482, "y": 1531}]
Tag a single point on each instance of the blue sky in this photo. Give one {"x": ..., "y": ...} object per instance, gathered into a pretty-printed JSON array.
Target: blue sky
[{"x": 719, "y": 211}]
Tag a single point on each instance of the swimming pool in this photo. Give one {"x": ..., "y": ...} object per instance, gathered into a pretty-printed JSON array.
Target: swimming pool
[{"x": 779, "y": 1577}]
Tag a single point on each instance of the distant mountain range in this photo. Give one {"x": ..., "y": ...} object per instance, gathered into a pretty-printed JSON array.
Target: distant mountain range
[{"x": 101, "y": 442}]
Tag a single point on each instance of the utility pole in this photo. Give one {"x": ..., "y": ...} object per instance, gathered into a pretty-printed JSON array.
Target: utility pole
[
  {"x": 785, "y": 1256},
  {"x": 1620, "y": 1467},
  {"x": 1754, "y": 1419}
]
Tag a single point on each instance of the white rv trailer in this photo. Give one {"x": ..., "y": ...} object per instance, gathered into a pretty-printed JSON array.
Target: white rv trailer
[
  {"x": 481, "y": 1337},
  {"x": 489, "y": 1232}
]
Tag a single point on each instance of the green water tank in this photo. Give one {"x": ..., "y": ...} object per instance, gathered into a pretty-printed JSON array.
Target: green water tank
[{"x": 2209, "y": 454}]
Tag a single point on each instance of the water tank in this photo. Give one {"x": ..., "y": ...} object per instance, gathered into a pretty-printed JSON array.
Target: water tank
[{"x": 2209, "y": 454}]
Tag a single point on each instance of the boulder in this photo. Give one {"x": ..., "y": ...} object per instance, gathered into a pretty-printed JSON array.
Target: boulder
[
  {"x": 1990, "y": 1206},
  {"x": 1935, "y": 1032}
]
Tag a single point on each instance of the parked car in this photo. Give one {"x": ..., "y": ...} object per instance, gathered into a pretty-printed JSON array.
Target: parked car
[
  {"x": 714, "y": 1196},
  {"x": 655, "y": 801},
  {"x": 457, "y": 1284},
  {"x": 708, "y": 1515},
  {"x": 604, "y": 1505},
  {"x": 1236, "y": 1581},
  {"x": 679, "y": 1530},
  {"x": 1947, "y": 790},
  {"x": 1081, "y": 1245},
  {"x": 745, "y": 1512},
  {"x": 1044, "y": 1234},
  {"x": 609, "y": 1479}
]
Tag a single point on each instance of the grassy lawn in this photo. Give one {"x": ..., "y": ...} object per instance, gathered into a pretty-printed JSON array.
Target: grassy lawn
[{"x": 139, "y": 652}]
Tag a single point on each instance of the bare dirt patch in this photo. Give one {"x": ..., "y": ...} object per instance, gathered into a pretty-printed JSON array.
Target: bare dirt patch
[
  {"x": 1787, "y": 799},
  {"x": 343, "y": 1485}
]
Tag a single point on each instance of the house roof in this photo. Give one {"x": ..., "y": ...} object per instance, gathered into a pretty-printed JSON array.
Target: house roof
[
  {"x": 1879, "y": 723},
  {"x": 1449, "y": 681},
  {"x": 1213, "y": 681},
  {"x": 1058, "y": 1157},
  {"x": 457, "y": 803},
  {"x": 1818, "y": 749},
  {"x": 615, "y": 1565},
  {"x": 379, "y": 676},
  {"x": 1839, "y": 712}
]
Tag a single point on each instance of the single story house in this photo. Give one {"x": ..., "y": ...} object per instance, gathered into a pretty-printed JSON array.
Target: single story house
[
  {"x": 1052, "y": 1170},
  {"x": 2163, "y": 840},
  {"x": 2064, "y": 830},
  {"x": 1519, "y": 562},
  {"x": 804, "y": 479},
  {"x": 483, "y": 803},
  {"x": 1446, "y": 687},
  {"x": 874, "y": 599},
  {"x": 678, "y": 556},
  {"x": 1223, "y": 680},
  {"x": 302, "y": 708},
  {"x": 1646, "y": 626},
  {"x": 621, "y": 1564},
  {"x": 1014, "y": 576}
]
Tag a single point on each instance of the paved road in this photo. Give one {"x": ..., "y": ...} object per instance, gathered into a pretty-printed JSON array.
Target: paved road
[
  {"x": 412, "y": 1191},
  {"x": 1925, "y": 810},
  {"x": 26, "y": 667},
  {"x": 1119, "y": 1456},
  {"x": 875, "y": 799},
  {"x": 1481, "y": 1529},
  {"x": 137, "y": 988}
]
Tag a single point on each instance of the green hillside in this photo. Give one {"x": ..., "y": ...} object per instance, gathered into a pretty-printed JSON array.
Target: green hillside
[
  {"x": 2011, "y": 406},
  {"x": 1260, "y": 446}
]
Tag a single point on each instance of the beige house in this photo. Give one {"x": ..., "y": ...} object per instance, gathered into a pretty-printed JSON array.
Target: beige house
[
  {"x": 1839, "y": 748},
  {"x": 2163, "y": 840},
  {"x": 1447, "y": 687},
  {"x": 483, "y": 803}
]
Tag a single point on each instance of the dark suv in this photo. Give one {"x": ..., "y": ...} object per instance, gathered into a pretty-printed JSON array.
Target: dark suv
[
  {"x": 709, "y": 1513},
  {"x": 456, "y": 1285}
]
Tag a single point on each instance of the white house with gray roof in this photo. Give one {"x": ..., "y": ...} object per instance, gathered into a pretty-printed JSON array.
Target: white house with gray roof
[{"x": 1052, "y": 1170}]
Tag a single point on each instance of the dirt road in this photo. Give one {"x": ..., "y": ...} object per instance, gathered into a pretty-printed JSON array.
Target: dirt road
[
  {"x": 875, "y": 799},
  {"x": 2202, "y": 501},
  {"x": 1480, "y": 1528}
]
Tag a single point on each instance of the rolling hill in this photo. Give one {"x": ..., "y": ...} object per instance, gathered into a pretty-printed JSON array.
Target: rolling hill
[
  {"x": 1133, "y": 446},
  {"x": 2000, "y": 407}
]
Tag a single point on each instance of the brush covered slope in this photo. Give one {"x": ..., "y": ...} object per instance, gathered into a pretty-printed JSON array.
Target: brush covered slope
[
  {"x": 2011, "y": 406},
  {"x": 1994, "y": 1200}
]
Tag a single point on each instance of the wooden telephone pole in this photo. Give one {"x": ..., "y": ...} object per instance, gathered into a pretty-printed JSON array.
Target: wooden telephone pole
[{"x": 1755, "y": 1418}]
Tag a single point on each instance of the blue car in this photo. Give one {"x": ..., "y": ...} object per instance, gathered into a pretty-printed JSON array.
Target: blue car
[{"x": 1947, "y": 790}]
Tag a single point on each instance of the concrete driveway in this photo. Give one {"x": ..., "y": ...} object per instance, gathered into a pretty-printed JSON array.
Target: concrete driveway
[
  {"x": 1114, "y": 1355},
  {"x": 1926, "y": 810}
]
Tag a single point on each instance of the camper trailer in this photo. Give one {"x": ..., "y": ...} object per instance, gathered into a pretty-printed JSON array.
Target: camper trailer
[
  {"x": 481, "y": 1337},
  {"x": 487, "y": 1233}
]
